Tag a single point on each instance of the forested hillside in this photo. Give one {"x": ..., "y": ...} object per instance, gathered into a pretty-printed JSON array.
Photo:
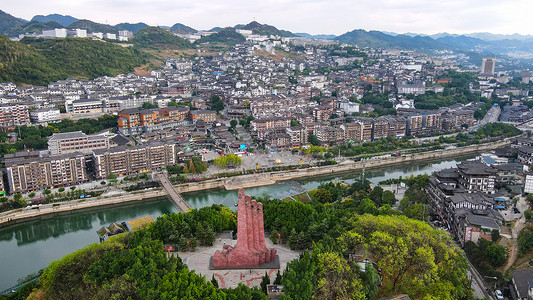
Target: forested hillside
[
  {"x": 158, "y": 38},
  {"x": 39, "y": 61}
]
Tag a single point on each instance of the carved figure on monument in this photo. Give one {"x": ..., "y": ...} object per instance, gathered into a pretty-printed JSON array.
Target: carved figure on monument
[{"x": 251, "y": 249}]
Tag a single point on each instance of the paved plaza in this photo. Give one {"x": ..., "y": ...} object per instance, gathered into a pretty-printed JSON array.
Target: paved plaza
[{"x": 199, "y": 262}]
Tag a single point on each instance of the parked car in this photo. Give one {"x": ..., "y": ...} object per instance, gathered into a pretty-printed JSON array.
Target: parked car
[{"x": 499, "y": 295}]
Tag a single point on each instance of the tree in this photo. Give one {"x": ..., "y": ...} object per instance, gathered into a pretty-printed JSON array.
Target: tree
[
  {"x": 47, "y": 192},
  {"x": 376, "y": 195},
  {"x": 295, "y": 123},
  {"x": 264, "y": 282},
  {"x": 388, "y": 197},
  {"x": 216, "y": 103},
  {"x": 111, "y": 176},
  {"x": 148, "y": 105},
  {"x": 313, "y": 139},
  {"x": 324, "y": 196},
  {"x": 31, "y": 195},
  {"x": 367, "y": 206},
  {"x": 233, "y": 123},
  {"x": 278, "y": 278},
  {"x": 336, "y": 279},
  {"x": 274, "y": 236},
  {"x": 61, "y": 190},
  {"x": 214, "y": 281},
  {"x": 294, "y": 240},
  {"x": 299, "y": 278}
]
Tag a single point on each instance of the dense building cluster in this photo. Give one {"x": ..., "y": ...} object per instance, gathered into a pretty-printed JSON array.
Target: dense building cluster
[{"x": 465, "y": 198}]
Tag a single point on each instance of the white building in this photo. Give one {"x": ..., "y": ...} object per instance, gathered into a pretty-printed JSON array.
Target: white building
[
  {"x": 80, "y": 33},
  {"x": 124, "y": 35},
  {"x": 349, "y": 107},
  {"x": 45, "y": 115},
  {"x": 111, "y": 36},
  {"x": 528, "y": 184},
  {"x": 55, "y": 33},
  {"x": 97, "y": 35}
]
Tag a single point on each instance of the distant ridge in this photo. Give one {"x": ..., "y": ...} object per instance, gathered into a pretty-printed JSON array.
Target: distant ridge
[
  {"x": 8, "y": 23},
  {"x": 91, "y": 26},
  {"x": 264, "y": 29},
  {"x": 183, "y": 29},
  {"x": 226, "y": 36},
  {"x": 131, "y": 27},
  {"x": 61, "y": 19},
  {"x": 316, "y": 36}
]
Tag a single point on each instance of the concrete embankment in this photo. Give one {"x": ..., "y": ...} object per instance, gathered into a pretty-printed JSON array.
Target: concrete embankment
[
  {"x": 243, "y": 181},
  {"x": 49, "y": 210}
]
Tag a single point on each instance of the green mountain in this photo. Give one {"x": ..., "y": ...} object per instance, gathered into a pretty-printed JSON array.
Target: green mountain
[
  {"x": 92, "y": 26},
  {"x": 40, "y": 61},
  {"x": 61, "y": 19},
  {"x": 226, "y": 36},
  {"x": 33, "y": 27},
  {"x": 183, "y": 29},
  {"x": 377, "y": 39},
  {"x": 264, "y": 29},
  {"x": 131, "y": 27},
  {"x": 8, "y": 23},
  {"x": 155, "y": 37}
]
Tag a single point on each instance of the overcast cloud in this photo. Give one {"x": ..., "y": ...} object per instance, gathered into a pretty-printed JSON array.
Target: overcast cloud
[{"x": 311, "y": 16}]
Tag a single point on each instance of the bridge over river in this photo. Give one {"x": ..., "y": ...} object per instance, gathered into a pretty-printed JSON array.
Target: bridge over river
[{"x": 173, "y": 193}]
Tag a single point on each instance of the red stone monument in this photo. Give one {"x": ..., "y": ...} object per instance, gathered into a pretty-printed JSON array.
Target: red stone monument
[{"x": 250, "y": 250}]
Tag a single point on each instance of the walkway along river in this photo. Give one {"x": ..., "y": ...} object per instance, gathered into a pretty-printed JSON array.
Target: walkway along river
[{"x": 28, "y": 247}]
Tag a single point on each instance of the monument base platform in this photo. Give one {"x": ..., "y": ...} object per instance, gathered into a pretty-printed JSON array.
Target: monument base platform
[{"x": 274, "y": 264}]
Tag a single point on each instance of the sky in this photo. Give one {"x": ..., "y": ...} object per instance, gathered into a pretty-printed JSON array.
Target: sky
[{"x": 310, "y": 16}]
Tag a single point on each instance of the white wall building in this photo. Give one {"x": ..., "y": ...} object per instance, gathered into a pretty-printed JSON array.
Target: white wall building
[
  {"x": 55, "y": 33},
  {"x": 80, "y": 33},
  {"x": 45, "y": 115},
  {"x": 349, "y": 107}
]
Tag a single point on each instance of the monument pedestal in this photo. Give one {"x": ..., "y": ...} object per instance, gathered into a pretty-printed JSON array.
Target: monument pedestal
[{"x": 251, "y": 250}]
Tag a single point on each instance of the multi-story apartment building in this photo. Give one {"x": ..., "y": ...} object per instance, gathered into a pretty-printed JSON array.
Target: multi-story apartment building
[
  {"x": 380, "y": 128},
  {"x": 36, "y": 173},
  {"x": 12, "y": 115},
  {"x": 367, "y": 127},
  {"x": 414, "y": 124},
  {"x": 322, "y": 112},
  {"x": 124, "y": 160},
  {"x": 298, "y": 135},
  {"x": 475, "y": 176},
  {"x": 209, "y": 116},
  {"x": 70, "y": 142},
  {"x": 330, "y": 135},
  {"x": 469, "y": 215},
  {"x": 262, "y": 126},
  {"x": 84, "y": 106},
  {"x": 45, "y": 115},
  {"x": 397, "y": 126},
  {"x": 352, "y": 131},
  {"x": 133, "y": 121},
  {"x": 275, "y": 142}
]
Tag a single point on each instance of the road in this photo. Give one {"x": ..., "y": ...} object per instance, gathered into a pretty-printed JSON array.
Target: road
[
  {"x": 491, "y": 116},
  {"x": 518, "y": 226}
]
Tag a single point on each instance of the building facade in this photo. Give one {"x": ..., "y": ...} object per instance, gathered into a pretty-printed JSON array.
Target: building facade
[{"x": 70, "y": 142}]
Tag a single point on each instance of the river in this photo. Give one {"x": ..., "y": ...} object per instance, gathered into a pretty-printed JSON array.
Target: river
[{"x": 28, "y": 247}]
